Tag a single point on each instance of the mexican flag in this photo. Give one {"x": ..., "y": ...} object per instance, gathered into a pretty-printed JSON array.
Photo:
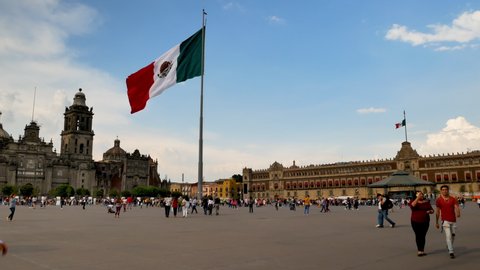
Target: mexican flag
[
  {"x": 401, "y": 124},
  {"x": 180, "y": 63}
]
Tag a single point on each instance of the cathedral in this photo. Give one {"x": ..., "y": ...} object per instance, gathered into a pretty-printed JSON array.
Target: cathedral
[{"x": 31, "y": 160}]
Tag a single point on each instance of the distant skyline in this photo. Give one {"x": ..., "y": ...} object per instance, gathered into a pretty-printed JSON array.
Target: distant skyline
[{"x": 320, "y": 82}]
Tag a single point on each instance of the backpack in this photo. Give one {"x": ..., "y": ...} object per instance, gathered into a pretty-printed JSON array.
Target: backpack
[{"x": 388, "y": 204}]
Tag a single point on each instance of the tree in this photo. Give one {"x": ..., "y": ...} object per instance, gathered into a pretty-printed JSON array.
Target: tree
[
  {"x": 7, "y": 190},
  {"x": 176, "y": 194},
  {"x": 70, "y": 191},
  {"x": 238, "y": 178},
  {"x": 99, "y": 193},
  {"x": 26, "y": 190},
  {"x": 64, "y": 190},
  {"x": 113, "y": 193},
  {"x": 126, "y": 193},
  {"x": 82, "y": 192}
]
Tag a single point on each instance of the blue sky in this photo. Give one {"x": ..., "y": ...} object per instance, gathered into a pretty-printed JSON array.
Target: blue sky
[{"x": 311, "y": 81}]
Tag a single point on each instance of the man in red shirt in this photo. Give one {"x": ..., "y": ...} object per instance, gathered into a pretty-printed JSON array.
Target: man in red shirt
[{"x": 448, "y": 209}]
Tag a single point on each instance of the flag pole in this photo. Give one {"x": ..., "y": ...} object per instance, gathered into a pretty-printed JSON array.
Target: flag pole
[
  {"x": 200, "y": 143},
  {"x": 405, "y": 126},
  {"x": 34, "y": 96}
]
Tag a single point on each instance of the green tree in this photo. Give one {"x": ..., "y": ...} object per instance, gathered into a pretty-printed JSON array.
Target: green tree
[
  {"x": 82, "y": 192},
  {"x": 70, "y": 191},
  {"x": 126, "y": 193},
  {"x": 7, "y": 190},
  {"x": 99, "y": 193},
  {"x": 64, "y": 190},
  {"x": 26, "y": 190},
  {"x": 176, "y": 194},
  {"x": 113, "y": 193},
  {"x": 238, "y": 178}
]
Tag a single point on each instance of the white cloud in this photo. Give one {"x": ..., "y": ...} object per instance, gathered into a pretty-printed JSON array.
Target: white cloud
[
  {"x": 464, "y": 29},
  {"x": 34, "y": 52},
  {"x": 371, "y": 110},
  {"x": 275, "y": 20},
  {"x": 232, "y": 6},
  {"x": 457, "y": 136}
]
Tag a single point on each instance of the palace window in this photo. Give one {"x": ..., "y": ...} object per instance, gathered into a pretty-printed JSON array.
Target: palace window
[
  {"x": 438, "y": 178},
  {"x": 454, "y": 177},
  {"x": 356, "y": 182},
  {"x": 343, "y": 182},
  {"x": 468, "y": 176},
  {"x": 445, "y": 177},
  {"x": 318, "y": 184},
  {"x": 362, "y": 181},
  {"x": 349, "y": 182}
]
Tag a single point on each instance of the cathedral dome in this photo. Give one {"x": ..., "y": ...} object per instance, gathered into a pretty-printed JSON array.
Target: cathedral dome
[
  {"x": 115, "y": 152},
  {"x": 79, "y": 98},
  {"x": 3, "y": 133}
]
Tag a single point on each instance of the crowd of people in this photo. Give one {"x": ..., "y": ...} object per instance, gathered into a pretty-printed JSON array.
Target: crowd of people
[{"x": 447, "y": 209}]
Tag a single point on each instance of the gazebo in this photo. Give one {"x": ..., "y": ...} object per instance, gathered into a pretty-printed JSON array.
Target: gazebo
[{"x": 401, "y": 182}]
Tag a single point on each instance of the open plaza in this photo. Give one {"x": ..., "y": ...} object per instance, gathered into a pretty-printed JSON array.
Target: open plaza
[{"x": 142, "y": 238}]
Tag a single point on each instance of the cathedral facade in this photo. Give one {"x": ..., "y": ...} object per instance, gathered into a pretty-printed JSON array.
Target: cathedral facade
[
  {"x": 31, "y": 160},
  {"x": 461, "y": 171}
]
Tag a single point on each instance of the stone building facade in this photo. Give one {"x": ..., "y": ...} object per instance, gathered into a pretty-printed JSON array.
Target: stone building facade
[
  {"x": 121, "y": 171},
  {"x": 461, "y": 171},
  {"x": 31, "y": 160}
]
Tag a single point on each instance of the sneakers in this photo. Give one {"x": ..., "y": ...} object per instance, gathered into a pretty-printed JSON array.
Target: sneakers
[
  {"x": 379, "y": 226},
  {"x": 392, "y": 225},
  {"x": 452, "y": 256}
]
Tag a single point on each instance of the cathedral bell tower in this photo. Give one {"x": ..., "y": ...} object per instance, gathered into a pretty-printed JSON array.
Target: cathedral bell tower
[{"x": 77, "y": 134}]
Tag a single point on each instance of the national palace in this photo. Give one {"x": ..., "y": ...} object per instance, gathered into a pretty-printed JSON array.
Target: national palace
[{"x": 461, "y": 171}]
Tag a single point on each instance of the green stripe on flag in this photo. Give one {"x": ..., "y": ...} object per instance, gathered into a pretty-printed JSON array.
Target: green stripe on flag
[{"x": 189, "y": 62}]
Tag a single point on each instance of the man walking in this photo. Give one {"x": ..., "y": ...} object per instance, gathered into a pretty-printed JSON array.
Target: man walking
[
  {"x": 194, "y": 205},
  {"x": 384, "y": 204},
  {"x": 12, "y": 205},
  {"x": 449, "y": 211},
  {"x": 306, "y": 204}
]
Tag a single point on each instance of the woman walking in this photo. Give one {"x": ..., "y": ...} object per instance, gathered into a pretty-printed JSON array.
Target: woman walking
[
  {"x": 420, "y": 220},
  {"x": 118, "y": 207}
]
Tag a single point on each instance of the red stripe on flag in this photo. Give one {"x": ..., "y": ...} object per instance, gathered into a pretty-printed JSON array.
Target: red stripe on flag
[{"x": 138, "y": 87}]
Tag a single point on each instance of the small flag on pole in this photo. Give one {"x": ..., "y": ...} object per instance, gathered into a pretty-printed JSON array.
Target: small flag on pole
[
  {"x": 401, "y": 124},
  {"x": 180, "y": 63}
]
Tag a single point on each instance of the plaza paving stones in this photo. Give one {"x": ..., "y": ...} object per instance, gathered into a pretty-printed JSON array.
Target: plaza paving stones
[{"x": 142, "y": 238}]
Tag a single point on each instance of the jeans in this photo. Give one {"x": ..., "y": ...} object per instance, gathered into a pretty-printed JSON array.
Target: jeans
[
  {"x": 306, "y": 211},
  {"x": 449, "y": 228},
  {"x": 383, "y": 214},
  {"x": 12, "y": 212}
]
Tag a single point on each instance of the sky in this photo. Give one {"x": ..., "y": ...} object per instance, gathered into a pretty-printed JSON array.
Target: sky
[{"x": 311, "y": 81}]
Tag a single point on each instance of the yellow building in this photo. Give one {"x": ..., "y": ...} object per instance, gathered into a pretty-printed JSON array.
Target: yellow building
[{"x": 229, "y": 189}]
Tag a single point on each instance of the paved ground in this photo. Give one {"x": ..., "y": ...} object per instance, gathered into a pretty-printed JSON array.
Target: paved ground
[{"x": 72, "y": 238}]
